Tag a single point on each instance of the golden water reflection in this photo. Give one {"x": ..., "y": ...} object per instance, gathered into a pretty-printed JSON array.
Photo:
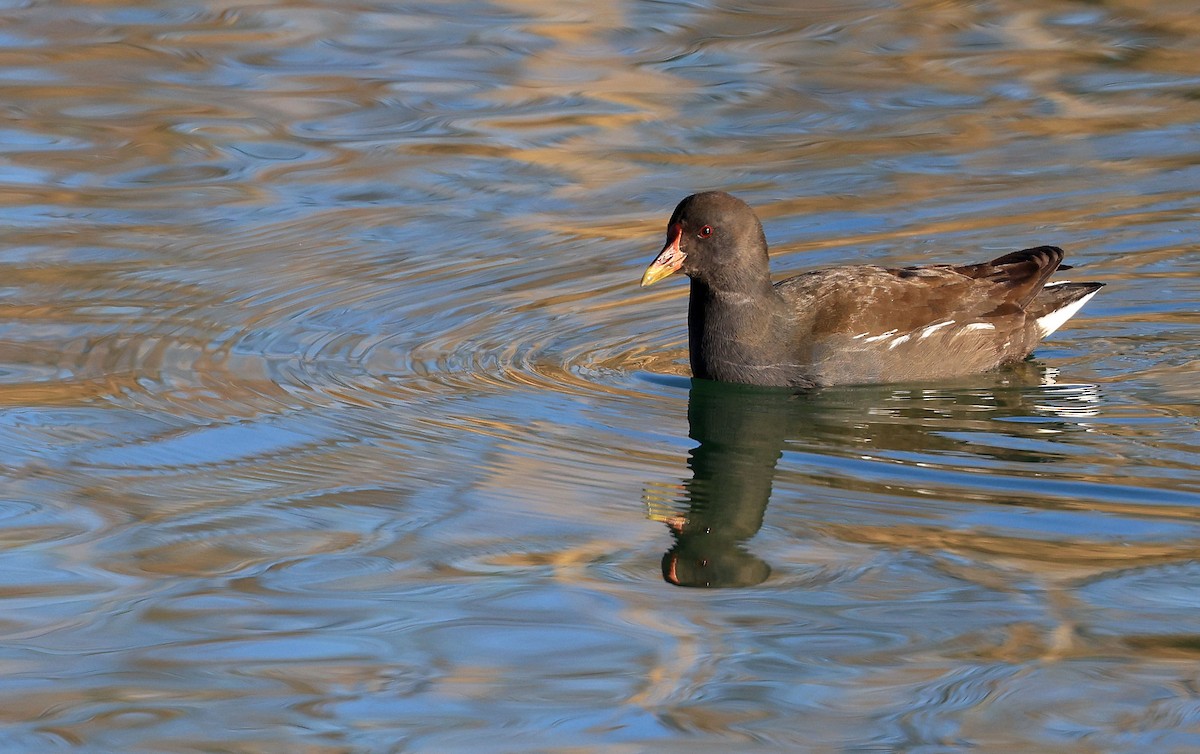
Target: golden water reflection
[{"x": 332, "y": 414}]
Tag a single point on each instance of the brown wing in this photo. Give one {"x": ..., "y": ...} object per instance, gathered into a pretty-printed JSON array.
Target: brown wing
[
  {"x": 872, "y": 324},
  {"x": 1016, "y": 278},
  {"x": 871, "y": 299}
]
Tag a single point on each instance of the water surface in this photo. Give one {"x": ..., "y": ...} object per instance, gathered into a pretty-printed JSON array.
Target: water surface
[{"x": 333, "y": 418}]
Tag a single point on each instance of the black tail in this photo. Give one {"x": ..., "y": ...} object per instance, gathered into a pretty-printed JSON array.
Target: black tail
[
  {"x": 1058, "y": 302},
  {"x": 1060, "y": 295}
]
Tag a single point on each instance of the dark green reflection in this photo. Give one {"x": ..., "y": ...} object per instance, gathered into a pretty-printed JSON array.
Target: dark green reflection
[{"x": 740, "y": 430}]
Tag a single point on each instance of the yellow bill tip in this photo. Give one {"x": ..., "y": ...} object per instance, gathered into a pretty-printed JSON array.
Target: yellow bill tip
[{"x": 656, "y": 272}]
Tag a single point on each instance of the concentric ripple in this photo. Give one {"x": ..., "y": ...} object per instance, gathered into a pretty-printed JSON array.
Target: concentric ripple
[{"x": 333, "y": 417}]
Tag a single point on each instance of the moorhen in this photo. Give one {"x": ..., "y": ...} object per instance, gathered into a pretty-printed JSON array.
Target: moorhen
[{"x": 854, "y": 324}]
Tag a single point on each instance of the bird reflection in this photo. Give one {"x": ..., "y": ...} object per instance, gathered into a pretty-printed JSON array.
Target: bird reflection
[{"x": 742, "y": 431}]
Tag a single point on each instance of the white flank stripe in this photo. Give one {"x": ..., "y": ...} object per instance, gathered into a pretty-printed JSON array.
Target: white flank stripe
[
  {"x": 1056, "y": 283},
  {"x": 1056, "y": 318},
  {"x": 980, "y": 326},
  {"x": 898, "y": 341},
  {"x": 874, "y": 338},
  {"x": 934, "y": 328}
]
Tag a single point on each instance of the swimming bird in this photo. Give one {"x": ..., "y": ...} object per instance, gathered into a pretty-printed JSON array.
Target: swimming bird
[{"x": 852, "y": 324}]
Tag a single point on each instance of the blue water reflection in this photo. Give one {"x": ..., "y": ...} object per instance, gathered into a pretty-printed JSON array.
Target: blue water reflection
[{"x": 333, "y": 418}]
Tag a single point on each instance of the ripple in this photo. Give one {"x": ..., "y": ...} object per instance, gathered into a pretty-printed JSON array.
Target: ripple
[
  {"x": 330, "y": 402},
  {"x": 338, "y": 340}
]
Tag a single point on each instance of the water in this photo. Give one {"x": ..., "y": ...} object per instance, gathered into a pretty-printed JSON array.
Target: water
[{"x": 333, "y": 418}]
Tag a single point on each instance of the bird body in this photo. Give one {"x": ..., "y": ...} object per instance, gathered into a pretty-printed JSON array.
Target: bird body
[{"x": 854, "y": 324}]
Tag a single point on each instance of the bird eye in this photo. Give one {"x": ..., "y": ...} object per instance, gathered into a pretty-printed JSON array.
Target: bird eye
[{"x": 705, "y": 232}]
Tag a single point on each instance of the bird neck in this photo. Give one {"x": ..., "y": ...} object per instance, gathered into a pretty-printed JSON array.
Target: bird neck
[
  {"x": 733, "y": 333},
  {"x": 748, "y": 274}
]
